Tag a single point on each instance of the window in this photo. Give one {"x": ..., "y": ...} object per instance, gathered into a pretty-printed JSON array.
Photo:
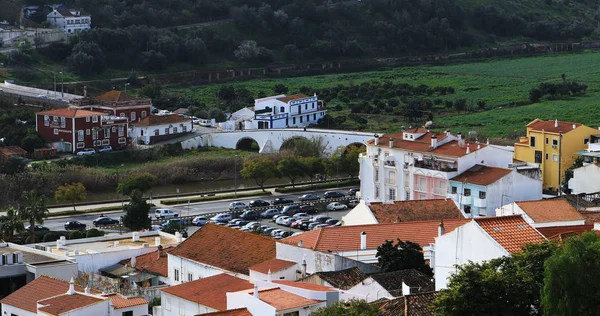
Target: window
[
  {"x": 467, "y": 209},
  {"x": 555, "y": 157},
  {"x": 176, "y": 274},
  {"x": 56, "y": 131},
  {"x": 81, "y": 145},
  {"x": 555, "y": 142},
  {"x": 133, "y": 116},
  {"x": 301, "y": 119},
  {"x": 313, "y": 105},
  {"x": 306, "y": 106},
  {"x": 156, "y": 132},
  {"x": 63, "y": 122},
  {"x": 294, "y": 120},
  {"x": 80, "y": 135},
  {"x": 391, "y": 194},
  {"x": 127, "y": 313},
  {"x": 532, "y": 141},
  {"x": 376, "y": 175},
  {"x": 546, "y": 156},
  {"x": 174, "y": 130},
  {"x": 454, "y": 190},
  {"x": 168, "y": 304},
  {"x": 114, "y": 129},
  {"x": 87, "y": 132},
  {"x": 314, "y": 116},
  {"x": 181, "y": 308},
  {"x": 546, "y": 140},
  {"x": 94, "y": 134},
  {"x": 122, "y": 115},
  {"x": 122, "y": 140},
  {"x": 190, "y": 277},
  {"x": 143, "y": 114},
  {"x": 141, "y": 132},
  {"x": 121, "y": 131},
  {"x": 87, "y": 119},
  {"x": 97, "y": 143},
  {"x": 391, "y": 177},
  {"x": 376, "y": 192},
  {"x": 107, "y": 132},
  {"x": 538, "y": 156},
  {"x": 482, "y": 195},
  {"x": 586, "y": 141},
  {"x": 184, "y": 129},
  {"x": 467, "y": 192},
  {"x": 46, "y": 120},
  {"x": 282, "y": 109},
  {"x": 106, "y": 142},
  {"x": 167, "y": 131},
  {"x": 94, "y": 119}
]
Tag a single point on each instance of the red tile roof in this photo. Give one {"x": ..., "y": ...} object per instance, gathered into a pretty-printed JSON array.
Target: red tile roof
[
  {"x": 12, "y": 151},
  {"x": 482, "y": 175},
  {"x": 284, "y": 300},
  {"x": 289, "y": 98},
  {"x": 71, "y": 112},
  {"x": 272, "y": 265},
  {"x": 231, "y": 312},
  {"x": 41, "y": 288},
  {"x": 511, "y": 232},
  {"x": 423, "y": 144},
  {"x": 306, "y": 286},
  {"x": 347, "y": 238},
  {"x": 550, "y": 126},
  {"x": 209, "y": 291},
  {"x": 154, "y": 120},
  {"x": 416, "y": 130},
  {"x": 67, "y": 302},
  {"x": 591, "y": 217},
  {"x": 114, "y": 96},
  {"x": 120, "y": 301},
  {"x": 550, "y": 232},
  {"x": 415, "y": 210},
  {"x": 226, "y": 248},
  {"x": 151, "y": 262},
  {"x": 550, "y": 210}
]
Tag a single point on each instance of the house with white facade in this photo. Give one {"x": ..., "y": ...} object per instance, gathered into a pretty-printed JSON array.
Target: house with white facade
[
  {"x": 156, "y": 128},
  {"x": 481, "y": 189},
  {"x": 480, "y": 239},
  {"x": 402, "y": 211},
  {"x": 544, "y": 213},
  {"x": 417, "y": 164},
  {"x": 585, "y": 179},
  {"x": 70, "y": 21},
  {"x": 274, "y": 269}
]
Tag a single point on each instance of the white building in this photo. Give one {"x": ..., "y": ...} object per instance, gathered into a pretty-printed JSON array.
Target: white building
[
  {"x": 544, "y": 213},
  {"x": 70, "y": 21},
  {"x": 155, "y": 128},
  {"x": 585, "y": 179},
  {"x": 479, "y": 240},
  {"x": 402, "y": 211},
  {"x": 417, "y": 164},
  {"x": 274, "y": 269}
]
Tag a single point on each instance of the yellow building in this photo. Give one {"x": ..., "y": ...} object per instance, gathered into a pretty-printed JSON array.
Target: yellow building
[{"x": 552, "y": 145}]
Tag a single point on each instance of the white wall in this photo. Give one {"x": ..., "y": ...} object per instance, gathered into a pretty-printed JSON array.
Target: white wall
[
  {"x": 585, "y": 180},
  {"x": 368, "y": 290},
  {"x": 136, "y": 131},
  {"x": 138, "y": 310},
  {"x": 64, "y": 271},
  {"x": 285, "y": 274},
  {"x": 359, "y": 215},
  {"x": 9, "y": 310},
  {"x": 466, "y": 243},
  {"x": 198, "y": 270},
  {"x": 490, "y": 155},
  {"x": 101, "y": 308},
  {"x": 93, "y": 261},
  {"x": 254, "y": 305},
  {"x": 189, "y": 308}
]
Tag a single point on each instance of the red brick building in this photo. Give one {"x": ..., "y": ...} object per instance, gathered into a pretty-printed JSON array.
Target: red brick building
[
  {"x": 73, "y": 129},
  {"x": 117, "y": 103}
]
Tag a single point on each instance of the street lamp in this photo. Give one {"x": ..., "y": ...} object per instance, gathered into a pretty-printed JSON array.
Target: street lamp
[
  {"x": 55, "y": 84},
  {"x": 126, "y": 86},
  {"x": 118, "y": 180},
  {"x": 235, "y": 175},
  {"x": 62, "y": 85}
]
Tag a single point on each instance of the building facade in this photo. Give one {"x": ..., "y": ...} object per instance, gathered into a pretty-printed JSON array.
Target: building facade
[
  {"x": 117, "y": 103},
  {"x": 155, "y": 128},
  {"x": 70, "y": 21},
  {"x": 72, "y": 129},
  {"x": 282, "y": 111}
]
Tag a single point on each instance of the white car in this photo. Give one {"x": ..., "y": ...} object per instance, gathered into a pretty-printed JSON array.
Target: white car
[
  {"x": 281, "y": 219},
  {"x": 200, "y": 221},
  {"x": 251, "y": 226},
  {"x": 43, "y": 96},
  {"x": 298, "y": 216},
  {"x": 86, "y": 152},
  {"x": 104, "y": 149},
  {"x": 236, "y": 206},
  {"x": 165, "y": 213},
  {"x": 336, "y": 206},
  {"x": 276, "y": 232},
  {"x": 221, "y": 218}
]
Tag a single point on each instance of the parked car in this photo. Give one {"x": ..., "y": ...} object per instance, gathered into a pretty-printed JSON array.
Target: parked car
[
  {"x": 288, "y": 221},
  {"x": 279, "y": 201},
  {"x": 290, "y": 210},
  {"x": 36, "y": 228},
  {"x": 300, "y": 222},
  {"x": 275, "y": 217},
  {"x": 258, "y": 203},
  {"x": 250, "y": 215},
  {"x": 86, "y": 152},
  {"x": 312, "y": 225},
  {"x": 321, "y": 218},
  {"x": 43, "y": 96},
  {"x": 163, "y": 213},
  {"x": 270, "y": 213},
  {"x": 353, "y": 191},
  {"x": 320, "y": 226},
  {"x": 308, "y": 209},
  {"x": 275, "y": 232},
  {"x": 251, "y": 226},
  {"x": 280, "y": 219},
  {"x": 236, "y": 206},
  {"x": 353, "y": 203},
  {"x": 283, "y": 234},
  {"x": 237, "y": 223},
  {"x": 174, "y": 222},
  {"x": 309, "y": 197},
  {"x": 74, "y": 225},
  {"x": 102, "y": 221},
  {"x": 333, "y": 195},
  {"x": 301, "y": 216},
  {"x": 155, "y": 227},
  {"x": 267, "y": 229},
  {"x": 297, "y": 234},
  {"x": 200, "y": 221},
  {"x": 104, "y": 149},
  {"x": 221, "y": 218},
  {"x": 333, "y": 222},
  {"x": 336, "y": 206}
]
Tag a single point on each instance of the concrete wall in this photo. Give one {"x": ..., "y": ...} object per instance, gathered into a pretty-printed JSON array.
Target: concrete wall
[
  {"x": 11, "y": 310},
  {"x": 585, "y": 180},
  {"x": 63, "y": 270},
  {"x": 254, "y": 305},
  {"x": 285, "y": 274},
  {"x": 94, "y": 261},
  {"x": 360, "y": 215},
  {"x": 368, "y": 290},
  {"x": 198, "y": 270},
  {"x": 139, "y": 310},
  {"x": 173, "y": 305}
]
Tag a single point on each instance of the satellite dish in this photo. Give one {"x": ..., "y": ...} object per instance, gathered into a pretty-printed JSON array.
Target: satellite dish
[{"x": 429, "y": 123}]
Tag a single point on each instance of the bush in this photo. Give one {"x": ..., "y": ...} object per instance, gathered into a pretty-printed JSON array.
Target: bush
[
  {"x": 94, "y": 233},
  {"x": 29, "y": 241},
  {"x": 213, "y": 198},
  {"x": 50, "y": 237},
  {"x": 75, "y": 235},
  {"x": 325, "y": 185}
]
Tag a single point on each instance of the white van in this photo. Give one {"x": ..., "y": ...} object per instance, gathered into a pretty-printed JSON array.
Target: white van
[
  {"x": 165, "y": 213},
  {"x": 221, "y": 218}
]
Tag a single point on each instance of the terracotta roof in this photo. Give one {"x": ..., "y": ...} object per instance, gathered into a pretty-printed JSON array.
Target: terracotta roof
[
  {"x": 482, "y": 175},
  {"x": 423, "y": 144},
  {"x": 591, "y": 217},
  {"x": 114, "y": 96},
  {"x": 230, "y": 312},
  {"x": 41, "y": 288},
  {"x": 392, "y": 281},
  {"x": 550, "y": 126},
  {"x": 153, "y": 120},
  {"x": 71, "y": 112},
  {"x": 304, "y": 285},
  {"x": 226, "y": 248},
  {"x": 410, "y": 305},
  {"x": 511, "y": 232},
  {"x": 120, "y": 301},
  {"x": 180, "y": 111},
  {"x": 550, "y": 232},
  {"x": 151, "y": 262},
  {"x": 415, "y": 210},
  {"x": 12, "y": 151},
  {"x": 209, "y": 291},
  {"x": 550, "y": 210},
  {"x": 273, "y": 265},
  {"x": 343, "y": 279},
  {"x": 289, "y": 98},
  {"x": 67, "y": 302},
  {"x": 347, "y": 238},
  {"x": 416, "y": 130},
  {"x": 284, "y": 300}
]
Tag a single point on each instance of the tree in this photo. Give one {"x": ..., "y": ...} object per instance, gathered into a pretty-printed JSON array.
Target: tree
[
  {"x": 10, "y": 223},
  {"x": 291, "y": 167},
  {"x": 153, "y": 60},
  {"x": 136, "y": 212},
  {"x": 535, "y": 95},
  {"x": 313, "y": 166},
  {"x": 280, "y": 88},
  {"x": 351, "y": 307},
  {"x": 73, "y": 192},
  {"x": 33, "y": 209},
  {"x": 401, "y": 256},
  {"x": 86, "y": 58},
  {"x": 142, "y": 182},
  {"x": 460, "y": 104},
  {"x": 260, "y": 169},
  {"x": 14, "y": 164},
  {"x": 571, "y": 278}
]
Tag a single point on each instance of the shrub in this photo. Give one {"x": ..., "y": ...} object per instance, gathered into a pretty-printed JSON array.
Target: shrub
[
  {"x": 28, "y": 240},
  {"x": 50, "y": 237},
  {"x": 75, "y": 235},
  {"x": 94, "y": 233}
]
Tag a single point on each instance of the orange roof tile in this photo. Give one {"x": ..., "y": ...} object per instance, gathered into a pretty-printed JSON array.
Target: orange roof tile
[
  {"x": 12, "y": 151},
  {"x": 511, "y": 232},
  {"x": 70, "y": 112},
  {"x": 41, "y": 288},
  {"x": 226, "y": 248},
  {"x": 151, "y": 262},
  {"x": 154, "y": 120},
  {"x": 591, "y": 217},
  {"x": 67, "y": 302},
  {"x": 114, "y": 96},
  {"x": 289, "y": 98},
  {"x": 550, "y": 210},
  {"x": 210, "y": 291},
  {"x": 550, "y": 232},
  {"x": 416, "y": 130},
  {"x": 415, "y": 210},
  {"x": 347, "y": 238},
  {"x": 120, "y": 301},
  {"x": 231, "y": 312},
  {"x": 283, "y": 300},
  {"x": 423, "y": 144},
  {"x": 272, "y": 265},
  {"x": 482, "y": 175},
  {"x": 550, "y": 126},
  {"x": 306, "y": 286}
]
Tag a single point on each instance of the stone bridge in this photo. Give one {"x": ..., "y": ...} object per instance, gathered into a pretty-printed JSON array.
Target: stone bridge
[{"x": 272, "y": 140}]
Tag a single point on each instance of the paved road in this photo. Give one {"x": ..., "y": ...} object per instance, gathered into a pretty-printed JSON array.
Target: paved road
[{"x": 34, "y": 92}]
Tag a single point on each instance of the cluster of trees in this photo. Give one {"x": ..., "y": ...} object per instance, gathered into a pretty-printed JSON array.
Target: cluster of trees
[
  {"x": 556, "y": 90},
  {"x": 32, "y": 209}
]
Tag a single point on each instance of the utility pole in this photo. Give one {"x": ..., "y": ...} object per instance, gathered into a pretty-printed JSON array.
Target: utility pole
[
  {"x": 126, "y": 86},
  {"x": 55, "y": 84},
  {"x": 62, "y": 84},
  {"x": 235, "y": 175}
]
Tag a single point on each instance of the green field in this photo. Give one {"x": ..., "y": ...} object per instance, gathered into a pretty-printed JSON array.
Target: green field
[{"x": 501, "y": 83}]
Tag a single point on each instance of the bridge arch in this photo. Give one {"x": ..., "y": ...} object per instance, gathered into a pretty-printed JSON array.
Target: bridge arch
[
  {"x": 247, "y": 144},
  {"x": 291, "y": 142},
  {"x": 355, "y": 144}
]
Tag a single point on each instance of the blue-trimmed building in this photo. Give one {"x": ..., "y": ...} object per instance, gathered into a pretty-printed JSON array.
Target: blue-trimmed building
[{"x": 283, "y": 111}]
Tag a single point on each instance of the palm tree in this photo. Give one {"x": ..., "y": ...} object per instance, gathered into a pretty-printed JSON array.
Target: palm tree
[
  {"x": 33, "y": 209},
  {"x": 10, "y": 223}
]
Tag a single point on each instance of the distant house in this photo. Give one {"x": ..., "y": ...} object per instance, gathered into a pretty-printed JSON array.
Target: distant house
[
  {"x": 117, "y": 103},
  {"x": 402, "y": 211},
  {"x": 70, "y": 21},
  {"x": 152, "y": 266},
  {"x": 275, "y": 268},
  {"x": 341, "y": 279},
  {"x": 585, "y": 179},
  {"x": 155, "y": 128},
  {"x": 11, "y": 151},
  {"x": 544, "y": 213},
  {"x": 283, "y": 111}
]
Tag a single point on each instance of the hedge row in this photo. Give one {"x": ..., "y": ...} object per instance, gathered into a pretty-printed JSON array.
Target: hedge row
[
  {"x": 213, "y": 198},
  {"x": 93, "y": 210},
  {"x": 325, "y": 185}
]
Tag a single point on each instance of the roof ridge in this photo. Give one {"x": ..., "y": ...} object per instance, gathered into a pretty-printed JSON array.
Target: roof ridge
[{"x": 484, "y": 219}]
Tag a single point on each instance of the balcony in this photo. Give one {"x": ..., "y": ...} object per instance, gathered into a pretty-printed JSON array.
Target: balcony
[
  {"x": 453, "y": 196},
  {"x": 420, "y": 188},
  {"x": 407, "y": 185},
  {"x": 389, "y": 163},
  {"x": 477, "y": 202},
  {"x": 440, "y": 191},
  {"x": 466, "y": 200},
  {"x": 435, "y": 165}
]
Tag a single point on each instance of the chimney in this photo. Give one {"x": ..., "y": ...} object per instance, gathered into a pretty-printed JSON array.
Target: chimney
[
  {"x": 255, "y": 290},
  {"x": 304, "y": 266},
  {"x": 459, "y": 135},
  {"x": 133, "y": 262},
  {"x": 555, "y": 123},
  {"x": 391, "y": 142},
  {"x": 363, "y": 241},
  {"x": 159, "y": 250},
  {"x": 156, "y": 241},
  {"x": 135, "y": 236},
  {"x": 85, "y": 91},
  {"x": 71, "y": 290},
  {"x": 405, "y": 289},
  {"x": 433, "y": 141},
  {"x": 269, "y": 276},
  {"x": 300, "y": 243},
  {"x": 376, "y": 139},
  {"x": 87, "y": 289},
  {"x": 468, "y": 149},
  {"x": 441, "y": 229},
  {"x": 574, "y": 126}
]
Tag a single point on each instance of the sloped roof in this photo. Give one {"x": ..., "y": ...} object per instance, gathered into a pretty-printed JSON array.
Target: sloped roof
[
  {"x": 284, "y": 300},
  {"x": 423, "y": 144},
  {"x": 231, "y": 312},
  {"x": 180, "y": 111},
  {"x": 550, "y": 126},
  {"x": 70, "y": 112},
  {"x": 120, "y": 301},
  {"x": 151, "y": 262},
  {"x": 272, "y": 265},
  {"x": 343, "y": 279},
  {"x": 209, "y": 291},
  {"x": 66, "y": 12},
  {"x": 410, "y": 305},
  {"x": 347, "y": 238},
  {"x": 591, "y": 217},
  {"x": 550, "y": 232},
  {"x": 154, "y": 120},
  {"x": 550, "y": 210},
  {"x": 67, "y": 302},
  {"x": 305, "y": 285},
  {"x": 511, "y": 232},
  {"x": 392, "y": 281},
  {"x": 415, "y": 210},
  {"x": 12, "y": 150},
  {"x": 289, "y": 98},
  {"x": 482, "y": 175},
  {"x": 226, "y": 248},
  {"x": 114, "y": 96}
]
